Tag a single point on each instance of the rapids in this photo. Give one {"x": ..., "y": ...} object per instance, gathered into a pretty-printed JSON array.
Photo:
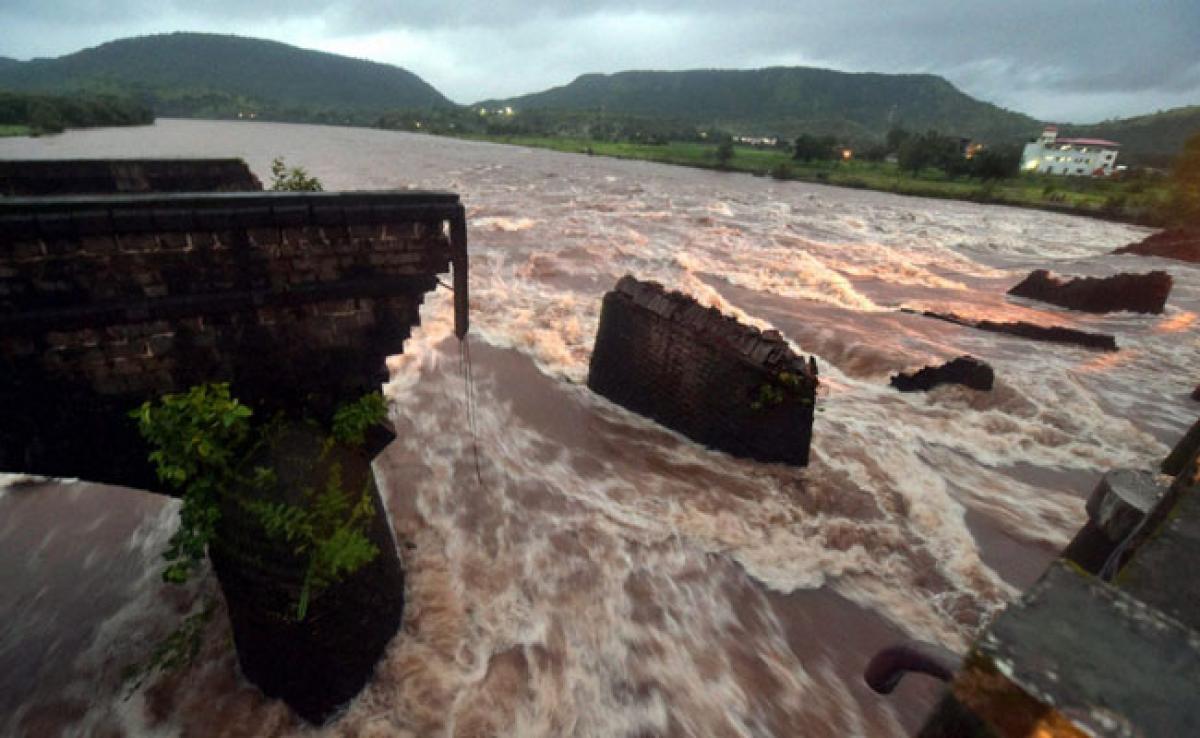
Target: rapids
[{"x": 600, "y": 575}]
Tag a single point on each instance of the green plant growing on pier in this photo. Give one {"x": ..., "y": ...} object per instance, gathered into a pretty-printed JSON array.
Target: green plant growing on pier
[
  {"x": 176, "y": 651},
  {"x": 205, "y": 446},
  {"x": 292, "y": 179},
  {"x": 784, "y": 386},
  {"x": 351, "y": 421},
  {"x": 330, "y": 532},
  {"x": 202, "y": 440}
]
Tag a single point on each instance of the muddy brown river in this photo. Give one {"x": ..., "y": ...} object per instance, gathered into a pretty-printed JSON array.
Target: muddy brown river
[{"x": 603, "y": 576}]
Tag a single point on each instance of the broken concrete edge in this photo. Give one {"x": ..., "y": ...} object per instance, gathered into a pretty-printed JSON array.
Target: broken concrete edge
[
  {"x": 1031, "y": 670},
  {"x": 1007, "y": 696},
  {"x": 767, "y": 349}
]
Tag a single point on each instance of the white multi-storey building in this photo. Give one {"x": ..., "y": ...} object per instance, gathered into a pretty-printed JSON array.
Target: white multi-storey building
[{"x": 1076, "y": 157}]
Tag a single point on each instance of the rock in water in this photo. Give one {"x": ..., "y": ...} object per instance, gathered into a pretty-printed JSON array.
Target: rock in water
[
  {"x": 1182, "y": 244},
  {"x": 965, "y": 370},
  {"x": 1137, "y": 293},
  {"x": 723, "y": 384}
]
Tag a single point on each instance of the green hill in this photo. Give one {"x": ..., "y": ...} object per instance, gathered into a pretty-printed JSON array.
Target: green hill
[
  {"x": 787, "y": 101},
  {"x": 1151, "y": 139},
  {"x": 215, "y": 75}
]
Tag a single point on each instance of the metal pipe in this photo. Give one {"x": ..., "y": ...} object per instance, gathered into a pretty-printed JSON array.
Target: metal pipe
[{"x": 889, "y": 666}]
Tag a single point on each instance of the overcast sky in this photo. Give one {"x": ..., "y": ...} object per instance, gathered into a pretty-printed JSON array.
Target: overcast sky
[{"x": 1062, "y": 60}]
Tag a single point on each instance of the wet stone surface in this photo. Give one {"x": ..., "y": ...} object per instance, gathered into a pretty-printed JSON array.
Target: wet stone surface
[{"x": 1104, "y": 660}]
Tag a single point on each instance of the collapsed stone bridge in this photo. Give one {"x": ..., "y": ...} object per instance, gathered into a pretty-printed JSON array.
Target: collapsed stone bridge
[{"x": 293, "y": 298}]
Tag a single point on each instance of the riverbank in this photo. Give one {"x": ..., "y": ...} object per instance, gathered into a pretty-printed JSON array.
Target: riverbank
[
  {"x": 1133, "y": 201},
  {"x": 33, "y": 114}
]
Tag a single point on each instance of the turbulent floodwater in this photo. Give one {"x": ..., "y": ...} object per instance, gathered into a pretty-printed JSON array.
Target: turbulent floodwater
[{"x": 606, "y": 577}]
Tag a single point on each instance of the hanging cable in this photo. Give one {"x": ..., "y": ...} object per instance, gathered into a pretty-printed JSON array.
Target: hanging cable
[{"x": 468, "y": 373}]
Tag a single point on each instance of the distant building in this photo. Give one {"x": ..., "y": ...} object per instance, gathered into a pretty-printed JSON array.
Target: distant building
[
  {"x": 757, "y": 140},
  {"x": 1074, "y": 157}
]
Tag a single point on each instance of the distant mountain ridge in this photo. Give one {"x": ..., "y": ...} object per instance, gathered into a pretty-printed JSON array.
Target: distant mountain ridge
[
  {"x": 181, "y": 73},
  {"x": 220, "y": 76},
  {"x": 788, "y": 101}
]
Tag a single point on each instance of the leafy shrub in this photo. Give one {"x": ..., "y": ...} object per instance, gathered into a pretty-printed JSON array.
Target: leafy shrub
[
  {"x": 784, "y": 386},
  {"x": 200, "y": 441},
  {"x": 1113, "y": 204},
  {"x": 330, "y": 531},
  {"x": 293, "y": 179},
  {"x": 351, "y": 421},
  {"x": 204, "y": 446}
]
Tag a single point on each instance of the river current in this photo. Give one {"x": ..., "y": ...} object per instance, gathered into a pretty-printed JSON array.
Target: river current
[{"x": 601, "y": 575}]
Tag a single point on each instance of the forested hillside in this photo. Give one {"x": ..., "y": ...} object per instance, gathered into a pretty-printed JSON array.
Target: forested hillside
[
  {"x": 220, "y": 76},
  {"x": 788, "y": 101}
]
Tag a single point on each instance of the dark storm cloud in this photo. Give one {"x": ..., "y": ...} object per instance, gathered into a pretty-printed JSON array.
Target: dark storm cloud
[{"x": 1058, "y": 59}]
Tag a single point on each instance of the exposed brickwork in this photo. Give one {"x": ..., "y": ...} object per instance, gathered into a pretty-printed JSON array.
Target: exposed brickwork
[
  {"x": 294, "y": 299},
  {"x": 721, "y": 383},
  {"x": 105, "y": 176}
]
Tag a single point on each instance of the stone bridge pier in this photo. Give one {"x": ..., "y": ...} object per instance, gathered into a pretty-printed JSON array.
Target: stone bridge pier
[{"x": 294, "y": 299}]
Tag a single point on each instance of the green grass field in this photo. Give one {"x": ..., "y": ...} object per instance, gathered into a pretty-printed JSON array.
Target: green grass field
[
  {"x": 1132, "y": 201},
  {"x": 13, "y": 130}
]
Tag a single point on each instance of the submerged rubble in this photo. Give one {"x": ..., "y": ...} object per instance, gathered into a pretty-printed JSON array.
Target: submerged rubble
[
  {"x": 965, "y": 370},
  {"x": 1032, "y": 331},
  {"x": 1181, "y": 244}
]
